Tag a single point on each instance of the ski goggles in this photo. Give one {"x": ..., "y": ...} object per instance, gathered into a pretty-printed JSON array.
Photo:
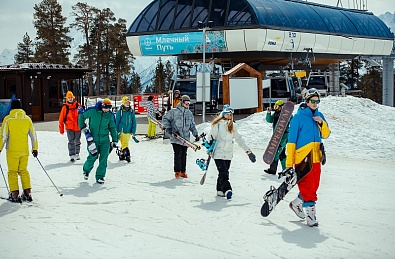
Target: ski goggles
[
  {"x": 186, "y": 102},
  {"x": 227, "y": 109},
  {"x": 315, "y": 101},
  {"x": 276, "y": 107}
]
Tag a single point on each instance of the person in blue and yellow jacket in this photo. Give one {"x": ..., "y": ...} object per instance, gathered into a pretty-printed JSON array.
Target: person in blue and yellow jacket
[
  {"x": 126, "y": 127},
  {"x": 101, "y": 124},
  {"x": 14, "y": 131},
  {"x": 307, "y": 129}
]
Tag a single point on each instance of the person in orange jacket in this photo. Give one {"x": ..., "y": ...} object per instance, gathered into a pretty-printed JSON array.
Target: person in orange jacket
[
  {"x": 68, "y": 119},
  {"x": 14, "y": 131}
]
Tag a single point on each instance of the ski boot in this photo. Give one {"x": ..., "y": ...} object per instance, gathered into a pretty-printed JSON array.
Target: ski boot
[
  {"x": 26, "y": 195},
  {"x": 14, "y": 197}
]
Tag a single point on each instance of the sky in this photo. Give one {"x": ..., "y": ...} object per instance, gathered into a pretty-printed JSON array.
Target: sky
[
  {"x": 16, "y": 16},
  {"x": 142, "y": 211}
]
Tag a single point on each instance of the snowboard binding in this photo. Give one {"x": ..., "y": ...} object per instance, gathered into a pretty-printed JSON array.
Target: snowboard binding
[
  {"x": 202, "y": 163},
  {"x": 123, "y": 154}
]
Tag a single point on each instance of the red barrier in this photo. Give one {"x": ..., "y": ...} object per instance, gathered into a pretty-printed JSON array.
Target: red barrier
[{"x": 140, "y": 102}]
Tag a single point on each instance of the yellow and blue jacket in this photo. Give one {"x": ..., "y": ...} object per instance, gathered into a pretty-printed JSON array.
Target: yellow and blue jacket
[
  {"x": 305, "y": 135},
  {"x": 16, "y": 127}
]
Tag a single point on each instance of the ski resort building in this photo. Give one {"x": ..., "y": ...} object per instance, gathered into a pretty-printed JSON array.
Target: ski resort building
[{"x": 265, "y": 34}]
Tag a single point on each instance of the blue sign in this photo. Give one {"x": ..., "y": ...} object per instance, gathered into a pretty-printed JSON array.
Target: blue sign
[{"x": 182, "y": 43}]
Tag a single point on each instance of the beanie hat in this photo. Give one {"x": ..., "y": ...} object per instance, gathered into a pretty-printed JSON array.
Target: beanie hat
[
  {"x": 16, "y": 104},
  {"x": 125, "y": 99},
  {"x": 106, "y": 103},
  {"x": 176, "y": 91},
  {"x": 69, "y": 94},
  {"x": 150, "y": 98},
  {"x": 185, "y": 98},
  {"x": 227, "y": 109}
]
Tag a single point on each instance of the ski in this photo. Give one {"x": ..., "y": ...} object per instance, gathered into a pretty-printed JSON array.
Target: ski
[
  {"x": 292, "y": 177},
  {"x": 272, "y": 147}
]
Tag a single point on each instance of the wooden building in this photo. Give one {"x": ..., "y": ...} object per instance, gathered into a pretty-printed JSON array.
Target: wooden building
[{"x": 41, "y": 87}]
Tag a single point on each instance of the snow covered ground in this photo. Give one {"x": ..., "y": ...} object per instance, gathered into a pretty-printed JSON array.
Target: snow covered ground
[{"x": 143, "y": 212}]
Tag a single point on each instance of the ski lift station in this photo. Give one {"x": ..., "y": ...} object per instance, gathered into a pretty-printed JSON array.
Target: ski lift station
[{"x": 244, "y": 39}]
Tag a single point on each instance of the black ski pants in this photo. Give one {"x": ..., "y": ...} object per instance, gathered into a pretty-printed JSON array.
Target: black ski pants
[
  {"x": 223, "y": 183},
  {"x": 180, "y": 158}
]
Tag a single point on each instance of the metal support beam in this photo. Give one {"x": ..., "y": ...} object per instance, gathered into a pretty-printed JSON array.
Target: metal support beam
[
  {"x": 334, "y": 84},
  {"x": 388, "y": 80}
]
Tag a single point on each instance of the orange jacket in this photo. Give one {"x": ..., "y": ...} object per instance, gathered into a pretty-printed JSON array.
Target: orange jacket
[{"x": 69, "y": 117}]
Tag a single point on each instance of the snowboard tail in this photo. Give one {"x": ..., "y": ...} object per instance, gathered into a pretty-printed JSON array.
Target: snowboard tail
[
  {"x": 292, "y": 177},
  {"x": 278, "y": 133}
]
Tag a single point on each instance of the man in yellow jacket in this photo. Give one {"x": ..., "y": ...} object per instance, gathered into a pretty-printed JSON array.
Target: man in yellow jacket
[{"x": 14, "y": 131}]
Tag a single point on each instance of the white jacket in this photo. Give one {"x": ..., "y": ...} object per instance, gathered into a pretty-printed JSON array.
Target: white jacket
[{"x": 224, "y": 140}]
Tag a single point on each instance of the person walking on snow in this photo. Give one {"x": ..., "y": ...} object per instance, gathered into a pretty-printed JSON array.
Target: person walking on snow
[
  {"x": 152, "y": 111},
  {"x": 15, "y": 129},
  {"x": 101, "y": 123},
  {"x": 126, "y": 127},
  {"x": 223, "y": 131},
  {"x": 68, "y": 119},
  {"x": 280, "y": 154},
  {"x": 181, "y": 122},
  {"x": 174, "y": 99},
  {"x": 307, "y": 129}
]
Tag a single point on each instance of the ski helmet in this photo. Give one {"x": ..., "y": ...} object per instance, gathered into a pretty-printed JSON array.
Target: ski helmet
[
  {"x": 278, "y": 104},
  {"x": 226, "y": 110},
  {"x": 311, "y": 93}
]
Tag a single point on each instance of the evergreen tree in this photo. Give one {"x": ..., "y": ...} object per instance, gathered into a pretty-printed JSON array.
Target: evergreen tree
[
  {"x": 84, "y": 21},
  {"x": 25, "y": 52},
  {"x": 159, "y": 78},
  {"x": 169, "y": 73},
  {"x": 52, "y": 40},
  {"x": 371, "y": 84},
  {"x": 135, "y": 85},
  {"x": 349, "y": 72},
  {"x": 121, "y": 59}
]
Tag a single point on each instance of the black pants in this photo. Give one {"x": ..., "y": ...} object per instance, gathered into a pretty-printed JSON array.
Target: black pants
[
  {"x": 180, "y": 157},
  {"x": 223, "y": 183}
]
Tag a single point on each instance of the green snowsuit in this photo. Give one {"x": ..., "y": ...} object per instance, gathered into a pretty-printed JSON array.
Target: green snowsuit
[
  {"x": 270, "y": 117},
  {"x": 100, "y": 125}
]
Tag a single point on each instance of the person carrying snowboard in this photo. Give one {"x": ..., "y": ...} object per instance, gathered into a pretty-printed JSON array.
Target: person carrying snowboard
[
  {"x": 68, "y": 118},
  {"x": 15, "y": 129},
  {"x": 126, "y": 127},
  {"x": 280, "y": 154},
  {"x": 307, "y": 128},
  {"x": 223, "y": 131},
  {"x": 181, "y": 122},
  {"x": 101, "y": 123}
]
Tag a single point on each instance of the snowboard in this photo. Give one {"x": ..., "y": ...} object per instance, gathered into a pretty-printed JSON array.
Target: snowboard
[
  {"x": 282, "y": 123},
  {"x": 292, "y": 177},
  {"x": 90, "y": 143}
]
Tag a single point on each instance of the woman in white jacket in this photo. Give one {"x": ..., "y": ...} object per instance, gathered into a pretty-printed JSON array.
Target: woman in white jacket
[{"x": 223, "y": 131}]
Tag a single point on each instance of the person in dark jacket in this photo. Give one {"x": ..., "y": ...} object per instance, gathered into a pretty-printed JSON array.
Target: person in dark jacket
[
  {"x": 101, "y": 123},
  {"x": 182, "y": 122},
  {"x": 126, "y": 127}
]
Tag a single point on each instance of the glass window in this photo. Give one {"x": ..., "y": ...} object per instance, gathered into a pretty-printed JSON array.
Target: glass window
[
  {"x": 148, "y": 20},
  {"x": 218, "y": 12},
  {"x": 166, "y": 15},
  {"x": 200, "y": 12},
  {"x": 277, "y": 9},
  {"x": 183, "y": 16},
  {"x": 240, "y": 13},
  {"x": 11, "y": 87}
]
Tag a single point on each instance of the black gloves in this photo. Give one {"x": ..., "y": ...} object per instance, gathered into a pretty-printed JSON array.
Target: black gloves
[
  {"x": 252, "y": 157},
  {"x": 197, "y": 138},
  {"x": 35, "y": 153}
]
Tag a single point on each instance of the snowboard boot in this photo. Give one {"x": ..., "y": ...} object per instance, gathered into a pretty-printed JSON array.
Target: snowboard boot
[
  {"x": 100, "y": 181},
  {"x": 126, "y": 154},
  {"x": 183, "y": 174},
  {"x": 296, "y": 206},
  {"x": 77, "y": 157},
  {"x": 228, "y": 194},
  {"x": 220, "y": 194},
  {"x": 26, "y": 195},
  {"x": 311, "y": 220},
  {"x": 72, "y": 159},
  {"x": 14, "y": 197},
  {"x": 268, "y": 171},
  {"x": 120, "y": 154},
  {"x": 86, "y": 175}
]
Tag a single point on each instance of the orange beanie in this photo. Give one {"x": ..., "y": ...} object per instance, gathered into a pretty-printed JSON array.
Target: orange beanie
[{"x": 69, "y": 94}]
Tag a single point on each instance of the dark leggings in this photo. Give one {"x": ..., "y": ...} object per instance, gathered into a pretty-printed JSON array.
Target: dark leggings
[{"x": 180, "y": 157}]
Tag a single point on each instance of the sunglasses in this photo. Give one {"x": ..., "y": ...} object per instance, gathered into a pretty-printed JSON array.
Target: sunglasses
[
  {"x": 315, "y": 101},
  {"x": 186, "y": 102}
]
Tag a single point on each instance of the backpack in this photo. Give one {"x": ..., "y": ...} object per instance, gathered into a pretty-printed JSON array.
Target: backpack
[{"x": 67, "y": 111}]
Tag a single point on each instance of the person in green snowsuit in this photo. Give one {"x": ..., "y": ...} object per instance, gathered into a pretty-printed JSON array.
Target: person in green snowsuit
[
  {"x": 101, "y": 123},
  {"x": 280, "y": 154}
]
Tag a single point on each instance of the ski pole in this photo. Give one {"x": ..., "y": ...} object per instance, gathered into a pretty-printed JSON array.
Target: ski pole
[
  {"x": 4, "y": 178},
  {"x": 61, "y": 194}
]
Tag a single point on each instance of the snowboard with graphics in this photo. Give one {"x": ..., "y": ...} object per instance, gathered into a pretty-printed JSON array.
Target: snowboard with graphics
[
  {"x": 282, "y": 123},
  {"x": 292, "y": 177}
]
